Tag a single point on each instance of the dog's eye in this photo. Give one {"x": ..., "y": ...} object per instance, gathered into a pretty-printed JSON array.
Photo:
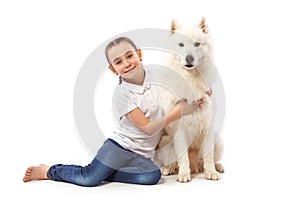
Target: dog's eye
[
  {"x": 181, "y": 44},
  {"x": 197, "y": 44}
]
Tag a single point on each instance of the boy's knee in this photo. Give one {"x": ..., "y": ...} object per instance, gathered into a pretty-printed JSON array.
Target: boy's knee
[
  {"x": 88, "y": 182},
  {"x": 150, "y": 178}
]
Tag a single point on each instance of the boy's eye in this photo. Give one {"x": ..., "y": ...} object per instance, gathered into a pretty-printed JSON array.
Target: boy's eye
[
  {"x": 181, "y": 44},
  {"x": 129, "y": 55},
  {"x": 197, "y": 44},
  {"x": 118, "y": 62}
]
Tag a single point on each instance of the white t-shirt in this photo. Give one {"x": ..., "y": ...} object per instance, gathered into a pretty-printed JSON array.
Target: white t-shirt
[{"x": 127, "y": 97}]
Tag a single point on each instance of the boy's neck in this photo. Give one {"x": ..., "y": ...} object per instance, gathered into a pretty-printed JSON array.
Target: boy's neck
[{"x": 138, "y": 80}]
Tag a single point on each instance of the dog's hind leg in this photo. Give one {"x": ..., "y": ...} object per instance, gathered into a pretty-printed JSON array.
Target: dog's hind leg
[
  {"x": 196, "y": 164},
  {"x": 169, "y": 170},
  {"x": 218, "y": 153},
  {"x": 165, "y": 156}
]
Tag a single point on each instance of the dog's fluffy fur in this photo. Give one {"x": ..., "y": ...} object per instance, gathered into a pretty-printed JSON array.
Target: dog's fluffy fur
[{"x": 188, "y": 146}]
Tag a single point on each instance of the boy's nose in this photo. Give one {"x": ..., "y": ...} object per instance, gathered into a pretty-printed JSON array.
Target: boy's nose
[{"x": 126, "y": 63}]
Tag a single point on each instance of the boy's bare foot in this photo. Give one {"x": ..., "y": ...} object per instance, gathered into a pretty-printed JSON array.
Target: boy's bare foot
[{"x": 36, "y": 173}]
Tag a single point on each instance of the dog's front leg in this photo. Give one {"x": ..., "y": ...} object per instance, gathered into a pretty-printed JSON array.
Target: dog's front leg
[
  {"x": 184, "y": 172},
  {"x": 209, "y": 159},
  {"x": 209, "y": 167},
  {"x": 181, "y": 150}
]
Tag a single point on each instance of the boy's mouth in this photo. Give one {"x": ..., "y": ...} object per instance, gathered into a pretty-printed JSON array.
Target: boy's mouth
[{"x": 130, "y": 69}]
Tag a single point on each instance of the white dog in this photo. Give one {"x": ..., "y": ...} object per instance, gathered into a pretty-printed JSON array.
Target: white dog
[{"x": 189, "y": 145}]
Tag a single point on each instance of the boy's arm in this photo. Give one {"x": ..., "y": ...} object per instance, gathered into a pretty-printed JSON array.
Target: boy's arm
[{"x": 137, "y": 117}]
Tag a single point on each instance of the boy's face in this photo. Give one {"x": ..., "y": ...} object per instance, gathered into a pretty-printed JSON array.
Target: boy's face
[{"x": 124, "y": 59}]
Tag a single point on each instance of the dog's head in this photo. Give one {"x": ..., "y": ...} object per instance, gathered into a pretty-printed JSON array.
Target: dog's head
[{"x": 190, "y": 44}]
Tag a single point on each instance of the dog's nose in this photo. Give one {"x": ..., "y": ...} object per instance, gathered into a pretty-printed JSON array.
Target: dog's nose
[{"x": 189, "y": 59}]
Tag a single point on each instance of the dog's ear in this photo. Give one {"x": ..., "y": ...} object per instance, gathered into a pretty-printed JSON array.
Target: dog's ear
[
  {"x": 174, "y": 25},
  {"x": 203, "y": 25}
]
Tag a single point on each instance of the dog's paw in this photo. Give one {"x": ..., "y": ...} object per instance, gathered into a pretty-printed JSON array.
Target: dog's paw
[
  {"x": 165, "y": 171},
  {"x": 183, "y": 178},
  {"x": 197, "y": 168},
  {"x": 219, "y": 167},
  {"x": 212, "y": 175}
]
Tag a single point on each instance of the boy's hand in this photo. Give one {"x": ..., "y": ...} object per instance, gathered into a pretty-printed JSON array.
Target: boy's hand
[
  {"x": 200, "y": 101},
  {"x": 187, "y": 108}
]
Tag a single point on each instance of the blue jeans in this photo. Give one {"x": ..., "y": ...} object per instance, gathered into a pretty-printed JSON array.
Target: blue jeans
[{"x": 112, "y": 163}]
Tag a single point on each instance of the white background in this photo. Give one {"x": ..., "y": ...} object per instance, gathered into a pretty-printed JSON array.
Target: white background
[{"x": 43, "y": 45}]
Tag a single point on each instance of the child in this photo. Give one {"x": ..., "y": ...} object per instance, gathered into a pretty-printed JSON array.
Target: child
[{"x": 127, "y": 155}]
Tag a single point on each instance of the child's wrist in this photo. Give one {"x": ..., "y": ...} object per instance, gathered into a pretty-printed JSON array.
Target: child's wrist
[{"x": 177, "y": 112}]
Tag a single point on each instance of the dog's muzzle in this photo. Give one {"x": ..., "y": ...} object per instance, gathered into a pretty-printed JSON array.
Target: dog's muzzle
[
  {"x": 189, "y": 60},
  {"x": 189, "y": 66}
]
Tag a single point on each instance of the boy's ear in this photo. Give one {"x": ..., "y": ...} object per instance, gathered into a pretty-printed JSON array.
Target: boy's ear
[
  {"x": 113, "y": 70},
  {"x": 139, "y": 52}
]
